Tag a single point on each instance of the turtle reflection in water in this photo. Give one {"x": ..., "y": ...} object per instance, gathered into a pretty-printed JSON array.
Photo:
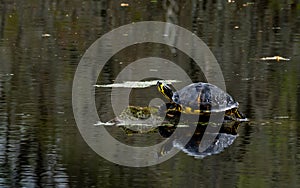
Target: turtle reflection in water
[{"x": 198, "y": 147}]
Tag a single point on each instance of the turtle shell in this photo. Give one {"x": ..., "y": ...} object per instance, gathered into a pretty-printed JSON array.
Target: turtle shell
[{"x": 203, "y": 98}]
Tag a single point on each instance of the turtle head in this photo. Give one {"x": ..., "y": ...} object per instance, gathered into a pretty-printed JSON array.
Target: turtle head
[{"x": 165, "y": 90}]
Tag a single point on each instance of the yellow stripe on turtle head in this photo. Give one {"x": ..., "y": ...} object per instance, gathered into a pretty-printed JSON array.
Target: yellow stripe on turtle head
[
  {"x": 161, "y": 89},
  {"x": 165, "y": 90}
]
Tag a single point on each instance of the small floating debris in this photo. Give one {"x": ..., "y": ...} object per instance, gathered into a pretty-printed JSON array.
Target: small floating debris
[
  {"x": 45, "y": 35},
  {"x": 248, "y": 78},
  {"x": 99, "y": 123},
  {"x": 6, "y": 77},
  {"x": 248, "y": 4},
  {"x": 274, "y": 58},
  {"x": 136, "y": 84},
  {"x": 8, "y": 74},
  {"x": 265, "y": 123},
  {"x": 124, "y": 4},
  {"x": 281, "y": 117},
  {"x": 276, "y": 28}
]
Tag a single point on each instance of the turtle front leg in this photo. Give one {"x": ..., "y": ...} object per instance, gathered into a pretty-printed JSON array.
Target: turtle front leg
[
  {"x": 239, "y": 114},
  {"x": 234, "y": 115},
  {"x": 170, "y": 109}
]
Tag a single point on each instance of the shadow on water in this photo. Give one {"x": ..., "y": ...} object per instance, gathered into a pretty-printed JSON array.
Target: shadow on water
[{"x": 41, "y": 43}]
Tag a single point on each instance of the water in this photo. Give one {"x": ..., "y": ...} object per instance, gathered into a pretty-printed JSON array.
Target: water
[{"x": 41, "y": 43}]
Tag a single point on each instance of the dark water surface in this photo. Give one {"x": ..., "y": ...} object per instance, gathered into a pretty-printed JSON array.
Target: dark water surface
[{"x": 41, "y": 43}]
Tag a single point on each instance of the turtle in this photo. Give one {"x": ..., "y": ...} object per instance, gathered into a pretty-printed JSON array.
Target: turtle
[{"x": 201, "y": 99}]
